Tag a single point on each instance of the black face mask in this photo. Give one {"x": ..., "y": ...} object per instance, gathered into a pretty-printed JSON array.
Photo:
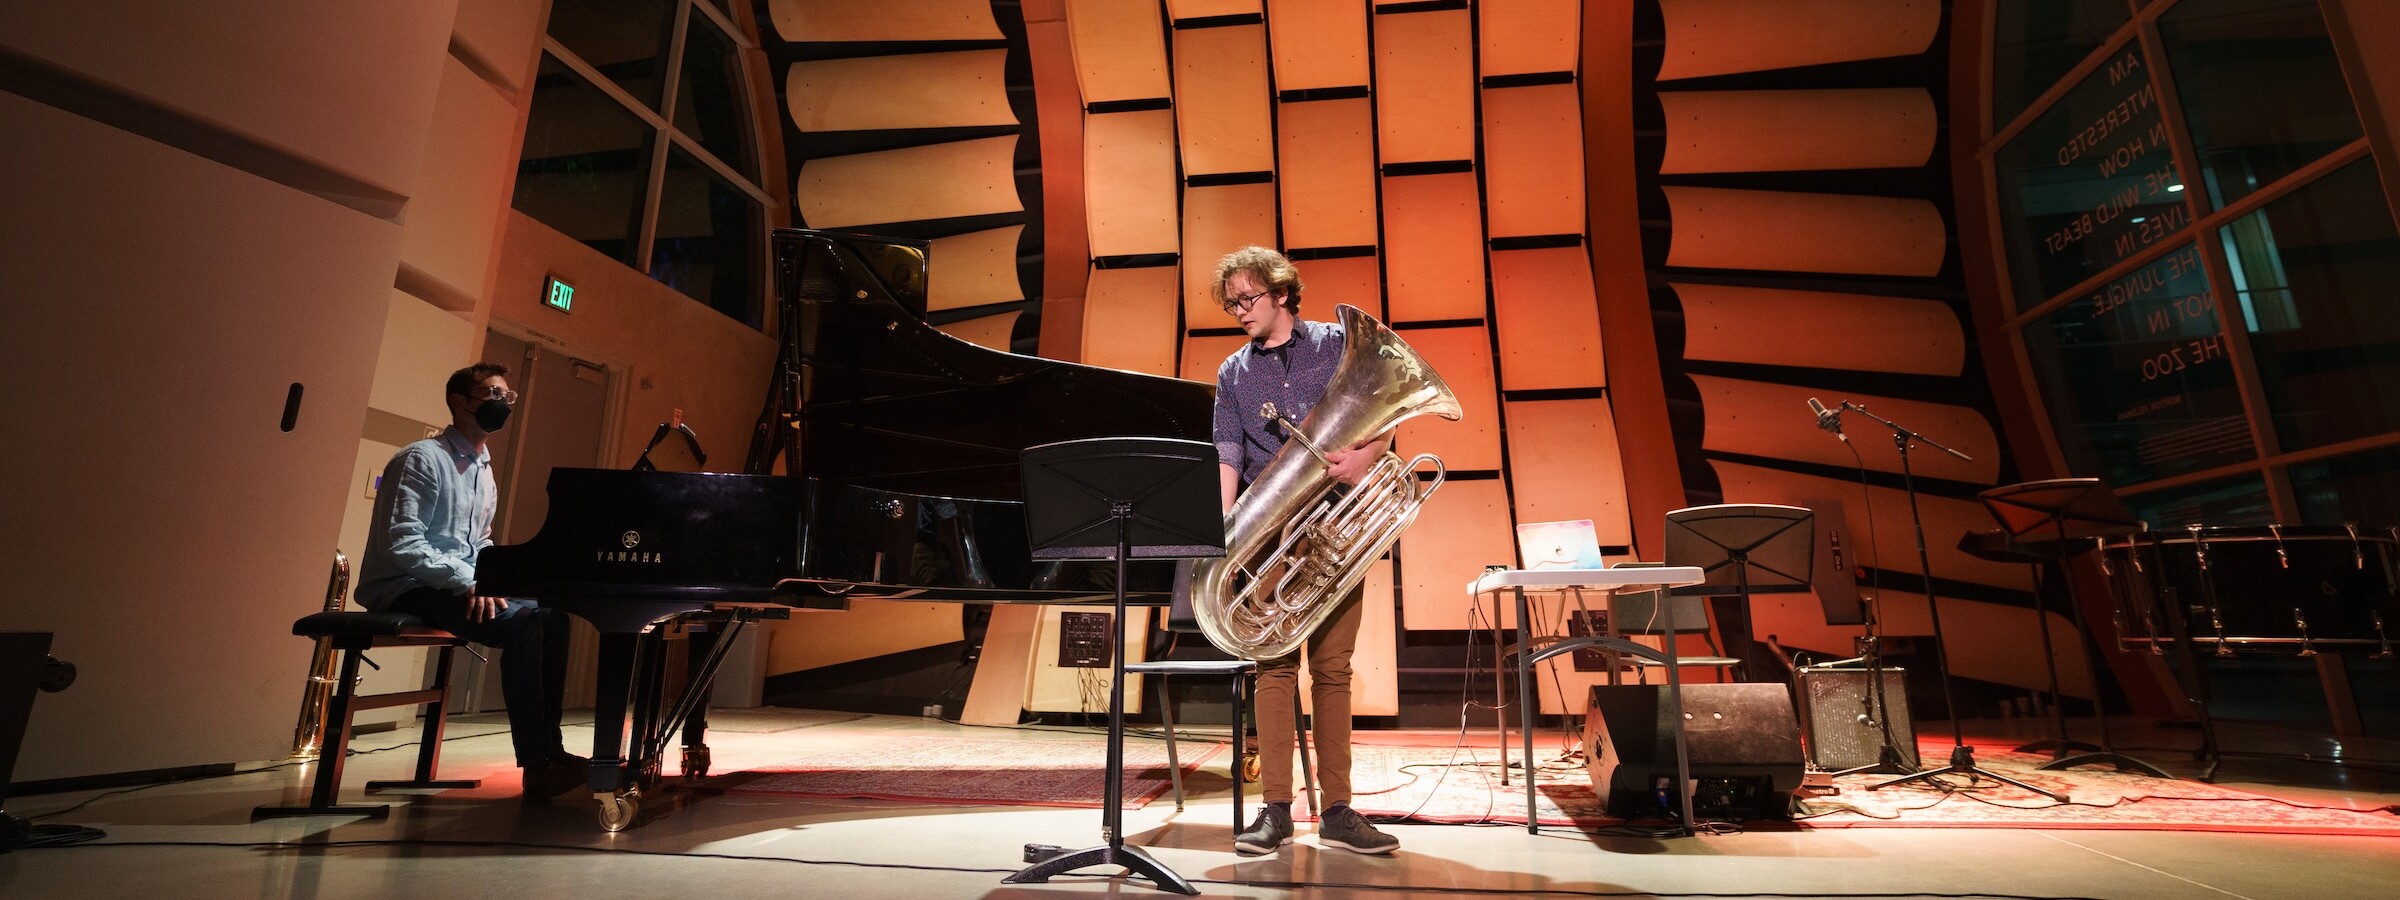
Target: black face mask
[{"x": 491, "y": 414}]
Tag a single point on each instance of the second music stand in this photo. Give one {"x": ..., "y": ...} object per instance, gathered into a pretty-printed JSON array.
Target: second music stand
[
  {"x": 1749, "y": 547},
  {"x": 2053, "y": 519}
]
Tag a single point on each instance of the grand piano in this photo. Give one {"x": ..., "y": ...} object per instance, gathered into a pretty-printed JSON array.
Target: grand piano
[{"x": 900, "y": 446}]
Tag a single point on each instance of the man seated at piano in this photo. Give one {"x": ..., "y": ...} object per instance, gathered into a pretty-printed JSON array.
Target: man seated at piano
[{"x": 433, "y": 515}]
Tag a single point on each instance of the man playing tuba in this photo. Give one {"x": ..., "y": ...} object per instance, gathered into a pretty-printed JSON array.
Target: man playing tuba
[{"x": 1288, "y": 362}]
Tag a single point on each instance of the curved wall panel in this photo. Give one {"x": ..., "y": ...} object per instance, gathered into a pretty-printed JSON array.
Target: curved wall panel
[
  {"x": 1724, "y": 228},
  {"x": 1425, "y": 87},
  {"x": 960, "y": 178},
  {"x": 1129, "y": 170},
  {"x": 1719, "y": 37},
  {"x": 1821, "y": 330},
  {"x": 1778, "y": 131},
  {"x": 916, "y": 90},
  {"x": 1222, "y": 115},
  {"x": 845, "y": 21},
  {"x": 1120, "y": 53}
]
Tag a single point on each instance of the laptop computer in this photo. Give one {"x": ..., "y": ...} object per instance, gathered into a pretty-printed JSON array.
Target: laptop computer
[{"x": 1573, "y": 544}]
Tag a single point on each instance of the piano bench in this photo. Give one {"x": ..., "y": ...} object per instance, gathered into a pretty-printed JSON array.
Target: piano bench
[{"x": 354, "y": 633}]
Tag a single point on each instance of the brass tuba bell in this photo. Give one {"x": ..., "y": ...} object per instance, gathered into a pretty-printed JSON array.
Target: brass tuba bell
[{"x": 1293, "y": 544}]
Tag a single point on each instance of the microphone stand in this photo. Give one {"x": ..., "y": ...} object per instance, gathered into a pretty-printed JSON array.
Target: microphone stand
[
  {"x": 1874, "y": 707},
  {"x": 1962, "y": 757}
]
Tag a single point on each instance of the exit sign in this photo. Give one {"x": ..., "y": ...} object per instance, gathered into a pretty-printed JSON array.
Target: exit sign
[{"x": 558, "y": 295}]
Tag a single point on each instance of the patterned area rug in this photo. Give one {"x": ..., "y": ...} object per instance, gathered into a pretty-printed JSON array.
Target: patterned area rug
[
  {"x": 1441, "y": 785},
  {"x": 974, "y": 772}
]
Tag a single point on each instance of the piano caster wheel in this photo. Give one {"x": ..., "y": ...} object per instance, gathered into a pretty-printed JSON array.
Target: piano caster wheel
[
  {"x": 617, "y": 811},
  {"x": 695, "y": 764},
  {"x": 1250, "y": 766}
]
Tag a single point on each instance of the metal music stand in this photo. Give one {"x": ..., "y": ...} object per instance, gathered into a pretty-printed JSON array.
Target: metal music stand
[
  {"x": 1114, "y": 499},
  {"x": 2058, "y": 519},
  {"x": 1748, "y": 547}
]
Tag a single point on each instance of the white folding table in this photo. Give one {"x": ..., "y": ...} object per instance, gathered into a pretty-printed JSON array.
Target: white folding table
[{"x": 1520, "y": 582}]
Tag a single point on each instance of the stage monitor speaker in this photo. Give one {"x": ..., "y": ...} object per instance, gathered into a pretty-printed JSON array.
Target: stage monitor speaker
[
  {"x": 1743, "y": 739},
  {"x": 1840, "y": 727}
]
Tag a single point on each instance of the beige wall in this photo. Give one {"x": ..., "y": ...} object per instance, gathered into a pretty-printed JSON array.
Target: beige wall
[{"x": 204, "y": 210}]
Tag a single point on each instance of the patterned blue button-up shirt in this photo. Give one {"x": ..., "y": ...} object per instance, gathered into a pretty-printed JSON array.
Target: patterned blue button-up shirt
[{"x": 1292, "y": 376}]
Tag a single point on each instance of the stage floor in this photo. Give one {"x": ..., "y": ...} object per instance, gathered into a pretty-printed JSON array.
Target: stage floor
[{"x": 195, "y": 839}]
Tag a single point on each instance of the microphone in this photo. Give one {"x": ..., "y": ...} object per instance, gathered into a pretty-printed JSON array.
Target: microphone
[{"x": 1828, "y": 419}]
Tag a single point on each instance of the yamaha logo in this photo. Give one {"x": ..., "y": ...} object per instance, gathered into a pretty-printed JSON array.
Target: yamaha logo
[{"x": 630, "y": 539}]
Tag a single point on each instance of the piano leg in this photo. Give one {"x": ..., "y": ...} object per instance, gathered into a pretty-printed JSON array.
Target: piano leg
[
  {"x": 700, "y": 669},
  {"x": 619, "y": 802}
]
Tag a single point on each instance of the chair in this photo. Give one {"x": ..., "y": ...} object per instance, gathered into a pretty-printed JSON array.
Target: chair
[
  {"x": 1243, "y": 672},
  {"x": 1642, "y": 614},
  {"x": 354, "y": 633}
]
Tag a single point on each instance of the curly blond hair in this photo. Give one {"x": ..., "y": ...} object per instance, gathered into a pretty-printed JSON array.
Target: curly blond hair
[{"x": 1273, "y": 270}]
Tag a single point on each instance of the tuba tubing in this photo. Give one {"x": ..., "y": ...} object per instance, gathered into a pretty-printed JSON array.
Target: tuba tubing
[{"x": 1294, "y": 545}]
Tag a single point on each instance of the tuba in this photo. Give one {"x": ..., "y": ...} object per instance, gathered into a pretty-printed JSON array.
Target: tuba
[{"x": 1293, "y": 544}]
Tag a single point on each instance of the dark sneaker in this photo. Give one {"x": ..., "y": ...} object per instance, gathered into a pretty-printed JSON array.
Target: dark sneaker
[
  {"x": 1272, "y": 829},
  {"x": 1343, "y": 827},
  {"x": 556, "y": 775}
]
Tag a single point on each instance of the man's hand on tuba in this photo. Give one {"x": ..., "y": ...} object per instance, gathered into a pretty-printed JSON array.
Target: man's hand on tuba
[{"x": 1350, "y": 466}]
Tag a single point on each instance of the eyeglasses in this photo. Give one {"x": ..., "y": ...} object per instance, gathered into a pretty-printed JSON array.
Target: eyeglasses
[
  {"x": 493, "y": 392},
  {"x": 1240, "y": 305}
]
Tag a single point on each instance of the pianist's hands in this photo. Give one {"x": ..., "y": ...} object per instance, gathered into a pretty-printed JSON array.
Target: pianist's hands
[{"x": 482, "y": 609}]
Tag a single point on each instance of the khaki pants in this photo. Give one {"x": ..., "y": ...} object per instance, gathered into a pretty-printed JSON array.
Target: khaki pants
[{"x": 1328, "y": 653}]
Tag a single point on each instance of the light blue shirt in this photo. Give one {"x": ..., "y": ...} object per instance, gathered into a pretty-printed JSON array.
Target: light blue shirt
[{"x": 433, "y": 514}]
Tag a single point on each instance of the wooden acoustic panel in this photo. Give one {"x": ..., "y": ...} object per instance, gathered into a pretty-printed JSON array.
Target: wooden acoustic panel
[
  {"x": 1787, "y": 131},
  {"x": 844, "y": 21},
  {"x": 1433, "y": 234},
  {"x": 1203, "y": 353},
  {"x": 1463, "y": 527},
  {"x": 1547, "y": 320},
  {"x": 914, "y": 90},
  {"x": 1533, "y": 160},
  {"x": 1217, "y": 220},
  {"x": 935, "y": 181},
  {"x": 1719, "y": 37},
  {"x": 1463, "y": 357},
  {"x": 1180, "y": 10},
  {"x": 1318, "y": 43},
  {"x": 1771, "y": 420},
  {"x": 1221, "y": 108},
  {"x": 1129, "y": 179},
  {"x": 1527, "y": 36},
  {"x": 1945, "y": 519},
  {"x": 1563, "y": 460},
  {"x": 1819, "y": 330},
  {"x": 1120, "y": 50},
  {"x": 1325, "y": 283},
  {"x": 1425, "y": 86},
  {"x": 978, "y": 268},
  {"x": 1129, "y": 320},
  {"x": 989, "y": 332},
  {"x": 1328, "y": 176},
  {"x": 1725, "y": 228}
]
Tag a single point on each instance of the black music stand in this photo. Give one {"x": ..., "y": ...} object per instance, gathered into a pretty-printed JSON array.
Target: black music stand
[
  {"x": 1749, "y": 547},
  {"x": 2051, "y": 509},
  {"x": 1114, "y": 498}
]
